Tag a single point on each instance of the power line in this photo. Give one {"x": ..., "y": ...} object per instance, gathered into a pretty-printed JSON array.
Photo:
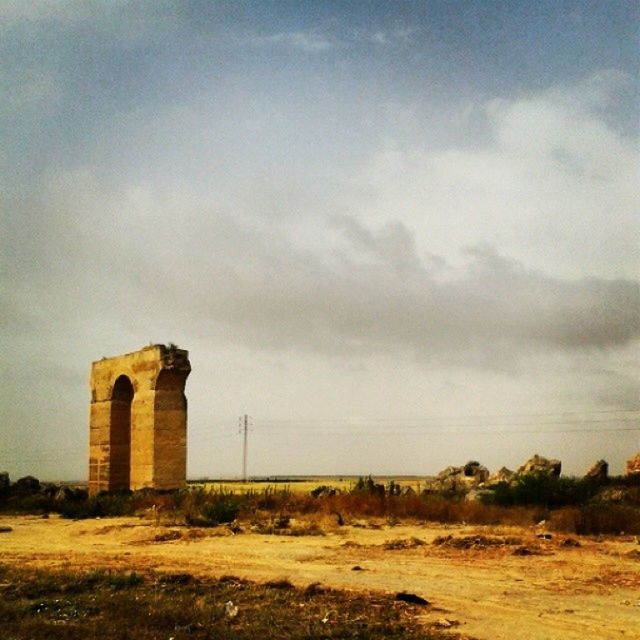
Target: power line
[
  {"x": 455, "y": 417},
  {"x": 468, "y": 432},
  {"x": 364, "y": 428},
  {"x": 407, "y": 424}
]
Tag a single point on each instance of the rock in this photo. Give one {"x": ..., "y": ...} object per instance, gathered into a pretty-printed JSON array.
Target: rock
[
  {"x": 599, "y": 472},
  {"x": 570, "y": 542},
  {"x": 537, "y": 465},
  {"x": 5, "y": 483},
  {"x": 526, "y": 551},
  {"x": 445, "y": 623},
  {"x": 459, "y": 479},
  {"x": 26, "y": 486},
  {"x": 412, "y": 598},
  {"x": 476, "y": 471},
  {"x": 612, "y": 495},
  {"x": 633, "y": 465},
  {"x": 502, "y": 475}
]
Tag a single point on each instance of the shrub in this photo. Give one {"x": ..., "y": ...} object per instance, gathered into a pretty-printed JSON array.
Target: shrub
[
  {"x": 602, "y": 517},
  {"x": 102, "y": 505},
  {"x": 546, "y": 491},
  {"x": 224, "y": 509}
]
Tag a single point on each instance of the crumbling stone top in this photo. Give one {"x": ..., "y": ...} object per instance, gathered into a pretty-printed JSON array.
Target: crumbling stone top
[{"x": 162, "y": 349}]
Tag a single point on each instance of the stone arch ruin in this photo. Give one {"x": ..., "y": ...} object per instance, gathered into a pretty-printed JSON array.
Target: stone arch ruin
[{"x": 138, "y": 421}]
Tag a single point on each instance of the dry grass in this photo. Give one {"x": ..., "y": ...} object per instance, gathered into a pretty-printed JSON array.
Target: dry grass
[
  {"x": 217, "y": 504},
  {"x": 303, "y": 484},
  {"x": 73, "y": 606}
]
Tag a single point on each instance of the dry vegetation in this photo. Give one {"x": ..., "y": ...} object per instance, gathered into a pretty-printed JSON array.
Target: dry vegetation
[
  {"x": 566, "y": 504},
  {"x": 117, "y": 605},
  {"x": 157, "y": 572}
]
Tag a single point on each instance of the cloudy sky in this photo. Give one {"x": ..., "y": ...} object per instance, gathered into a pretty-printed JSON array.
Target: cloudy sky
[{"x": 398, "y": 235}]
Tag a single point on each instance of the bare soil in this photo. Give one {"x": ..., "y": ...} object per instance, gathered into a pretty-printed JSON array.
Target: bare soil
[{"x": 491, "y": 583}]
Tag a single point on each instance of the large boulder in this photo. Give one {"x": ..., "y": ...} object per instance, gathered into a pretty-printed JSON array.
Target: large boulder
[
  {"x": 502, "y": 475},
  {"x": 599, "y": 472},
  {"x": 633, "y": 465},
  {"x": 26, "y": 486},
  {"x": 476, "y": 471},
  {"x": 459, "y": 479},
  {"x": 538, "y": 465}
]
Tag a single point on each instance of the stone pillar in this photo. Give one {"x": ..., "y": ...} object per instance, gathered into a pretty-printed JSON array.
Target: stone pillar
[{"x": 138, "y": 420}]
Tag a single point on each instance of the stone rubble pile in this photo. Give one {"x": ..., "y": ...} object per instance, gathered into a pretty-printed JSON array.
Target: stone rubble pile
[
  {"x": 537, "y": 465},
  {"x": 599, "y": 472},
  {"x": 633, "y": 465}
]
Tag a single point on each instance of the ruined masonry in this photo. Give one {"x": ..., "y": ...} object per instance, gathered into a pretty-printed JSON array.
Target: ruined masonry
[{"x": 138, "y": 423}]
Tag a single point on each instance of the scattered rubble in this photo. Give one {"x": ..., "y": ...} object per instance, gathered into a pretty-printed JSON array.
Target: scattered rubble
[
  {"x": 446, "y": 623},
  {"x": 459, "y": 479},
  {"x": 502, "y": 475},
  {"x": 400, "y": 543},
  {"x": 633, "y": 465},
  {"x": 538, "y": 465},
  {"x": 599, "y": 472},
  {"x": 324, "y": 491},
  {"x": 527, "y": 551},
  {"x": 570, "y": 542},
  {"x": 476, "y": 542}
]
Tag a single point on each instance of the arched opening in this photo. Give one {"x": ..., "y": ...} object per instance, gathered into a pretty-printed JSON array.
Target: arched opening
[{"x": 120, "y": 436}]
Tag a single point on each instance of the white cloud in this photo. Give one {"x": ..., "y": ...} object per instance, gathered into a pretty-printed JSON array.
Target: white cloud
[
  {"x": 400, "y": 35},
  {"x": 307, "y": 41},
  {"x": 555, "y": 186}
]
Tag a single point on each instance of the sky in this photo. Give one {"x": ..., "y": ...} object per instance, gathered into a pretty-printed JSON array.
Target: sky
[{"x": 398, "y": 235}]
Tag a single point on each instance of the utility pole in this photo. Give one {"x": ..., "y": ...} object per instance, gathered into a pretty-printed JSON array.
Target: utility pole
[{"x": 244, "y": 429}]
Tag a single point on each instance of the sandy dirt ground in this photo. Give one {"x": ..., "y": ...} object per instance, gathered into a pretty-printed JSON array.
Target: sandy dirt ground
[{"x": 591, "y": 591}]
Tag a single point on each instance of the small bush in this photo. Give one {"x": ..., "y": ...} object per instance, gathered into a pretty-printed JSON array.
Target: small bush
[
  {"x": 102, "y": 505},
  {"x": 546, "y": 491},
  {"x": 222, "y": 508},
  {"x": 603, "y": 518}
]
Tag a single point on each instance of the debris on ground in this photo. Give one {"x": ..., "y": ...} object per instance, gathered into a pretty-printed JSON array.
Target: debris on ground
[
  {"x": 400, "y": 543},
  {"x": 411, "y": 598}
]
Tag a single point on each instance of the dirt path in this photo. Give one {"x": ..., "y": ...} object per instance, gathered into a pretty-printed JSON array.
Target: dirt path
[{"x": 569, "y": 593}]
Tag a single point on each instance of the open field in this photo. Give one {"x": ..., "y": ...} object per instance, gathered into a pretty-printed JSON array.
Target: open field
[
  {"x": 490, "y": 583},
  {"x": 304, "y": 484}
]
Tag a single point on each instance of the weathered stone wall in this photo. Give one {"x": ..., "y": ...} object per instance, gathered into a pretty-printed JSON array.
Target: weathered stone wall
[{"x": 138, "y": 420}]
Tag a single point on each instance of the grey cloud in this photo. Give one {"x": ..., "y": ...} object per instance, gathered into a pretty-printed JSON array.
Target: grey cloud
[
  {"x": 363, "y": 292},
  {"x": 375, "y": 293}
]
